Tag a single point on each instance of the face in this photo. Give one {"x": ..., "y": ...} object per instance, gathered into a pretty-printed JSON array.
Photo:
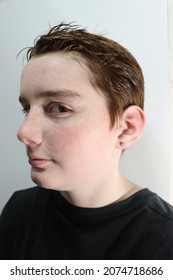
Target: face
[{"x": 66, "y": 130}]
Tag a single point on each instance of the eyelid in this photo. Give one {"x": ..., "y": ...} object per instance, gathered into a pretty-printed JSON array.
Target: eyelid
[
  {"x": 56, "y": 104},
  {"x": 49, "y": 108}
]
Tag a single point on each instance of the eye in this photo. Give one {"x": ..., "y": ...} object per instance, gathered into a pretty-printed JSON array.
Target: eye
[{"x": 58, "y": 108}]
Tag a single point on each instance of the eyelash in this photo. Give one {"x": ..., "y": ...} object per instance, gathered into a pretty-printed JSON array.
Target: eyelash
[
  {"x": 25, "y": 111},
  {"x": 62, "y": 109}
]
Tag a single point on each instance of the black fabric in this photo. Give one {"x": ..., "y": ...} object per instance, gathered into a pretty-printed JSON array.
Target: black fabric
[{"x": 40, "y": 224}]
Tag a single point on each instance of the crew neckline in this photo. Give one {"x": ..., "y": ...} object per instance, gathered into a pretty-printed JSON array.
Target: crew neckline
[{"x": 116, "y": 209}]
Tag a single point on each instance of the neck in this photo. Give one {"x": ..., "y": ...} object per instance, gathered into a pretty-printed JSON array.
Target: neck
[{"x": 102, "y": 195}]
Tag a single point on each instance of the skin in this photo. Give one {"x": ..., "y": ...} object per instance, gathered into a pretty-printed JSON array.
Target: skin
[{"x": 67, "y": 134}]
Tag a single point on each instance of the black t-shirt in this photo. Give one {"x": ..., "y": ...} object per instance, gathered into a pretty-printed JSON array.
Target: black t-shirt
[{"x": 40, "y": 224}]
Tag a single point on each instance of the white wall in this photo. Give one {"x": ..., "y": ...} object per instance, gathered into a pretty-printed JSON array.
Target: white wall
[{"x": 139, "y": 25}]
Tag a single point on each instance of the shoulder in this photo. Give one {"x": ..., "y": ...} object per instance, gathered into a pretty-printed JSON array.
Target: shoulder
[
  {"x": 24, "y": 196},
  {"x": 25, "y": 201},
  {"x": 152, "y": 224},
  {"x": 160, "y": 207},
  {"x": 161, "y": 222},
  {"x": 28, "y": 194},
  {"x": 153, "y": 215}
]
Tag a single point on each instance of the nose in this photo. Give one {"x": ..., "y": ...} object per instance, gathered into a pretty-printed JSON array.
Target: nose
[{"x": 30, "y": 132}]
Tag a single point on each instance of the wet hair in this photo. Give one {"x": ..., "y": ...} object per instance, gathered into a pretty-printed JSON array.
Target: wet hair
[{"x": 112, "y": 68}]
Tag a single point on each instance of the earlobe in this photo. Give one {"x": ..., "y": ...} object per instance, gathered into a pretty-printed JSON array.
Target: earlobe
[{"x": 132, "y": 125}]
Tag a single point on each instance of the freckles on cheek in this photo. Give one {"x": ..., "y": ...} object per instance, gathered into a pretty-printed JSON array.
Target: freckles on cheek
[{"x": 67, "y": 139}]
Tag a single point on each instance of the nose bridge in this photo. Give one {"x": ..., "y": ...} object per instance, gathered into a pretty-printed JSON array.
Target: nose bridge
[{"x": 30, "y": 130}]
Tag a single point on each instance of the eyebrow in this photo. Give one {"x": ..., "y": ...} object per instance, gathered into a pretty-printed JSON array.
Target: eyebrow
[{"x": 51, "y": 93}]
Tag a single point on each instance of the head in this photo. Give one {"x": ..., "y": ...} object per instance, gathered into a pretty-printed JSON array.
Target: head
[{"x": 83, "y": 96}]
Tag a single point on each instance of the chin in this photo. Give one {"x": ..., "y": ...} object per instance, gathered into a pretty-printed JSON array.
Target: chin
[{"x": 47, "y": 184}]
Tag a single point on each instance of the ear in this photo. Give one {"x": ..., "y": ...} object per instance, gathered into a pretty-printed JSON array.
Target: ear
[{"x": 131, "y": 126}]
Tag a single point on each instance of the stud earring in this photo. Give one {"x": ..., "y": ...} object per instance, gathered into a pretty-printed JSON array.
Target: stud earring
[{"x": 122, "y": 144}]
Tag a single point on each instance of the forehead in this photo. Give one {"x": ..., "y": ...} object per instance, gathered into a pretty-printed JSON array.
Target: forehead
[
  {"x": 58, "y": 72},
  {"x": 55, "y": 66}
]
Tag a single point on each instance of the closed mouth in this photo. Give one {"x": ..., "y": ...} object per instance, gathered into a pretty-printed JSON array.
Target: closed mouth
[{"x": 38, "y": 162}]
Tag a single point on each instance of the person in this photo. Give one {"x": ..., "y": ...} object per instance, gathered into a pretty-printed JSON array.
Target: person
[{"x": 83, "y": 97}]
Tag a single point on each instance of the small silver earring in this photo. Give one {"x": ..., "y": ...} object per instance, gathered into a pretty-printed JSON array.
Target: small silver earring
[{"x": 122, "y": 144}]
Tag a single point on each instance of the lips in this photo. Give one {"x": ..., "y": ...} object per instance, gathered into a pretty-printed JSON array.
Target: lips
[{"x": 38, "y": 162}]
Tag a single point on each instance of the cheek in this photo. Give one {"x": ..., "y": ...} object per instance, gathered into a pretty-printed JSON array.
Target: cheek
[
  {"x": 81, "y": 144},
  {"x": 65, "y": 141}
]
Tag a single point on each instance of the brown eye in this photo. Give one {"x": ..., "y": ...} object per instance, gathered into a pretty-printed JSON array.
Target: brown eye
[
  {"x": 63, "y": 109},
  {"x": 57, "y": 108}
]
